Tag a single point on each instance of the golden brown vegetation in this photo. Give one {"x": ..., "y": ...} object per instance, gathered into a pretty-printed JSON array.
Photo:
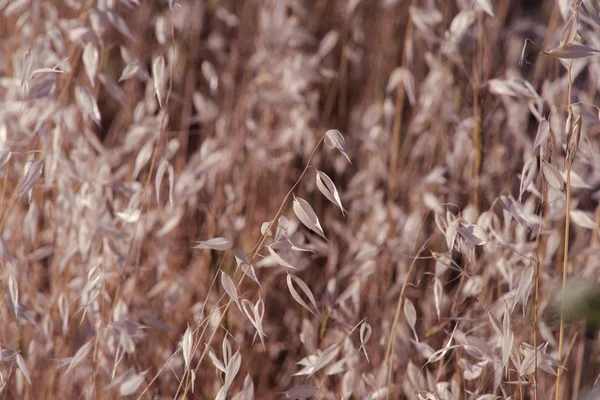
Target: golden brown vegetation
[{"x": 265, "y": 199}]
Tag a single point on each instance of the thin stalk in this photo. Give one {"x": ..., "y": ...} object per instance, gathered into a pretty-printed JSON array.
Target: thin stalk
[
  {"x": 477, "y": 114},
  {"x": 537, "y": 294},
  {"x": 564, "y": 279},
  {"x": 561, "y": 333},
  {"x": 398, "y": 117}
]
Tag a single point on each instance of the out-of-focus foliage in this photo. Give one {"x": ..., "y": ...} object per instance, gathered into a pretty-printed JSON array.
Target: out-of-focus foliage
[{"x": 329, "y": 198}]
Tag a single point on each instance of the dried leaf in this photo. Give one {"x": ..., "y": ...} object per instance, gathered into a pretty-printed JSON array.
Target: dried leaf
[
  {"x": 495, "y": 324},
  {"x": 507, "y": 339},
  {"x": 264, "y": 229},
  {"x": 79, "y": 33},
  {"x": 33, "y": 172},
  {"x": 553, "y": 176},
  {"x": 441, "y": 353},
  {"x": 259, "y": 313},
  {"x": 301, "y": 392},
  {"x": 162, "y": 31},
  {"x": 572, "y": 50},
  {"x": 411, "y": 316},
  {"x": 207, "y": 109},
  {"x": 158, "y": 72},
  {"x": 308, "y": 363},
  {"x": 352, "y": 291},
  {"x": 280, "y": 260},
  {"x": 289, "y": 245},
  {"x": 245, "y": 264},
  {"x": 486, "y": 6},
  {"x": 524, "y": 288},
  {"x": 93, "y": 276},
  {"x": 365, "y": 334},
  {"x": 115, "y": 91},
  {"x": 328, "y": 43},
  {"x": 438, "y": 291},
  {"x": 26, "y": 69},
  {"x": 452, "y": 231},
  {"x": 577, "y": 181},
  {"x": 501, "y": 87},
  {"x": 573, "y": 138},
  {"x": 230, "y": 289},
  {"x": 307, "y": 216},
  {"x": 13, "y": 292},
  {"x": 247, "y": 392},
  {"x": 326, "y": 358},
  {"x": 404, "y": 76},
  {"x": 424, "y": 349},
  {"x": 143, "y": 158},
  {"x": 23, "y": 367},
  {"x": 7, "y": 354},
  {"x": 216, "y": 362},
  {"x": 255, "y": 314},
  {"x": 131, "y": 216},
  {"x": 4, "y": 157},
  {"x": 226, "y": 346},
  {"x": 233, "y": 367},
  {"x": 171, "y": 223},
  {"x": 528, "y": 175},
  {"x": 79, "y": 356},
  {"x": 570, "y": 29},
  {"x": 522, "y": 58},
  {"x": 335, "y": 140},
  {"x": 129, "y": 71},
  {"x": 336, "y": 368},
  {"x": 119, "y": 23},
  {"x": 131, "y": 383},
  {"x": 160, "y": 171},
  {"x": 593, "y": 9},
  {"x": 218, "y": 243},
  {"x": 474, "y": 234},
  {"x": 394, "y": 80},
  {"x": 87, "y": 102},
  {"x": 63, "y": 310},
  {"x": 43, "y": 71},
  {"x": 187, "y": 346},
  {"x": 327, "y": 187},
  {"x": 306, "y": 291},
  {"x": 470, "y": 371},
  {"x": 582, "y": 219},
  {"x": 210, "y": 74},
  {"x": 282, "y": 226},
  {"x": 426, "y": 18},
  {"x": 91, "y": 58},
  {"x": 460, "y": 24}
]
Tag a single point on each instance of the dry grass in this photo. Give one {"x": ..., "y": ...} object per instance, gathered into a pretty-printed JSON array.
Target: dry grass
[{"x": 132, "y": 133}]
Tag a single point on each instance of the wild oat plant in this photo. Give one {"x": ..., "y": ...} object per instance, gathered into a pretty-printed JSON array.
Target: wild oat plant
[{"x": 331, "y": 199}]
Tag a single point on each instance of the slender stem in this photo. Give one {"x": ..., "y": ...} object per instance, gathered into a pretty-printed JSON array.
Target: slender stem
[
  {"x": 561, "y": 333},
  {"x": 564, "y": 279},
  {"x": 398, "y": 117},
  {"x": 537, "y": 293}
]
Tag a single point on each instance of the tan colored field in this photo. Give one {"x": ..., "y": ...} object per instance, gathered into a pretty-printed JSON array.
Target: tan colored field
[{"x": 329, "y": 199}]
